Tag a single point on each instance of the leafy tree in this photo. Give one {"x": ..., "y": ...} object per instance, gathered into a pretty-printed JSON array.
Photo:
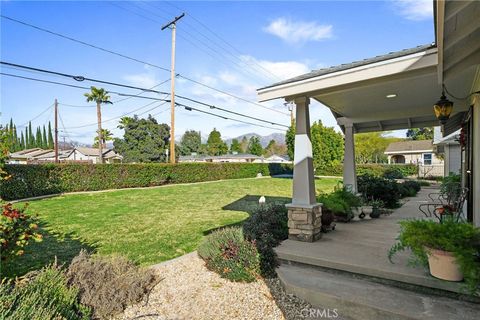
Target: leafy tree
[
  {"x": 244, "y": 145},
  {"x": 50, "y": 136},
  {"x": 190, "y": 142},
  {"x": 420, "y": 133},
  {"x": 144, "y": 140},
  {"x": 290, "y": 140},
  {"x": 215, "y": 145},
  {"x": 107, "y": 135},
  {"x": 235, "y": 146},
  {"x": 254, "y": 146},
  {"x": 327, "y": 146},
  {"x": 100, "y": 96},
  {"x": 370, "y": 147},
  {"x": 274, "y": 148}
]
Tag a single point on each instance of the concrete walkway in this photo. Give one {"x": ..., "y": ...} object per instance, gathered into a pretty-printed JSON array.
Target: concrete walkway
[{"x": 362, "y": 247}]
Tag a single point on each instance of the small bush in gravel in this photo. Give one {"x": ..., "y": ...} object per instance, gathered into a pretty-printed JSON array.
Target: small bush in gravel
[
  {"x": 226, "y": 252},
  {"x": 267, "y": 226},
  {"x": 41, "y": 295},
  {"x": 109, "y": 284}
]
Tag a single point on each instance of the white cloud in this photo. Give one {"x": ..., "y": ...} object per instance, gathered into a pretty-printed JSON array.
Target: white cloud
[
  {"x": 414, "y": 9},
  {"x": 299, "y": 31},
  {"x": 280, "y": 69},
  {"x": 143, "y": 80}
]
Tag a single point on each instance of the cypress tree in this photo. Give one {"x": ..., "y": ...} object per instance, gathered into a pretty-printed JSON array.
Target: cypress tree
[
  {"x": 27, "y": 140},
  {"x": 22, "y": 142},
  {"x": 44, "y": 138},
  {"x": 38, "y": 138},
  {"x": 16, "y": 141},
  {"x": 31, "y": 137},
  {"x": 50, "y": 136}
]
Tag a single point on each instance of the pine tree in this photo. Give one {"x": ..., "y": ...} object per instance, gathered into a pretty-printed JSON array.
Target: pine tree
[
  {"x": 50, "y": 137},
  {"x": 44, "y": 139}
]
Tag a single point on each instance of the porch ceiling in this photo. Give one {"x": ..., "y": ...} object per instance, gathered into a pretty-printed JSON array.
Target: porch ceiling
[{"x": 360, "y": 93}]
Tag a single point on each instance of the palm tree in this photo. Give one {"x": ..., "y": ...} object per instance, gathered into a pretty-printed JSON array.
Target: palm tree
[
  {"x": 107, "y": 135},
  {"x": 100, "y": 96}
]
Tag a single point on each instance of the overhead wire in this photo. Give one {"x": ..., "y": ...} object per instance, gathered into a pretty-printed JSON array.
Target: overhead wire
[
  {"x": 138, "y": 88},
  {"x": 140, "y": 61}
]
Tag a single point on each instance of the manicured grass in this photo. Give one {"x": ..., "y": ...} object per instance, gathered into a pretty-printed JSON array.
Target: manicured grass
[{"x": 149, "y": 225}]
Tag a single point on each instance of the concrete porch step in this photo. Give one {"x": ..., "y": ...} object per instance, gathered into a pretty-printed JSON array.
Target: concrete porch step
[
  {"x": 359, "y": 258},
  {"x": 355, "y": 297}
]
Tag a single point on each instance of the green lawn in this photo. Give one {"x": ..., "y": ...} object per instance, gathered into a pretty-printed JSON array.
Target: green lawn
[{"x": 149, "y": 225}]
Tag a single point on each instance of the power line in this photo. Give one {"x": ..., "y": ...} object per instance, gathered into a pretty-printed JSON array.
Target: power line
[
  {"x": 36, "y": 117},
  {"x": 221, "y": 39},
  {"x": 80, "y": 87},
  {"x": 189, "y": 108},
  {"x": 139, "y": 61},
  {"x": 138, "y": 88}
]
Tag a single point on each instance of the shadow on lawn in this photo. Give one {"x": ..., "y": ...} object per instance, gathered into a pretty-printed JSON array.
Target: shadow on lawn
[
  {"x": 247, "y": 204},
  {"x": 38, "y": 254}
]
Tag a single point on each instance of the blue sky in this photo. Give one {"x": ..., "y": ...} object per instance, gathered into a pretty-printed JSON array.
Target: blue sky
[{"x": 264, "y": 42}]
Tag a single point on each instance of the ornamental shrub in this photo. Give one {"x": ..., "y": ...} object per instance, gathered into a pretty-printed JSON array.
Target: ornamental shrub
[
  {"x": 226, "y": 252},
  {"x": 109, "y": 284},
  {"x": 377, "y": 188},
  {"x": 462, "y": 239},
  {"x": 41, "y": 295},
  {"x": 267, "y": 226},
  {"x": 393, "y": 173},
  {"x": 17, "y": 229},
  {"x": 43, "y": 179}
]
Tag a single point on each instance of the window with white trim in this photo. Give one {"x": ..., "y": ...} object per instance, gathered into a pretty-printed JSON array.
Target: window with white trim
[{"x": 427, "y": 159}]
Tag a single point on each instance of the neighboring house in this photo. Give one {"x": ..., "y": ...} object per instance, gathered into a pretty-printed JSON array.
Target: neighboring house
[
  {"x": 80, "y": 154},
  {"x": 419, "y": 152},
  {"x": 192, "y": 158},
  {"x": 450, "y": 147},
  {"x": 239, "y": 157},
  {"x": 278, "y": 159}
]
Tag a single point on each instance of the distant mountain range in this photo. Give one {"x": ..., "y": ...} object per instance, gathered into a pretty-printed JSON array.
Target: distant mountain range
[{"x": 264, "y": 140}]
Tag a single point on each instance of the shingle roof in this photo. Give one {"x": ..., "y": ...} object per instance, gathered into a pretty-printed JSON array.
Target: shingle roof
[
  {"x": 346, "y": 66},
  {"x": 410, "y": 146}
]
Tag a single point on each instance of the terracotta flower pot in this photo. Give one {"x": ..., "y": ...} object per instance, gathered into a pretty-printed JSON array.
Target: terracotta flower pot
[{"x": 443, "y": 265}]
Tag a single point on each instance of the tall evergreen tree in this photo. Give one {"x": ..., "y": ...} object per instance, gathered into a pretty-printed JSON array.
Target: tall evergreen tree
[
  {"x": 22, "y": 142},
  {"x": 215, "y": 145},
  {"x": 38, "y": 138},
  {"x": 254, "y": 146},
  {"x": 44, "y": 138},
  {"x": 27, "y": 139},
  {"x": 31, "y": 137},
  {"x": 50, "y": 136},
  {"x": 16, "y": 141}
]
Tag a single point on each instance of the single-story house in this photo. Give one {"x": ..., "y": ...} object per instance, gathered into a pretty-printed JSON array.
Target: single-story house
[
  {"x": 393, "y": 91},
  {"x": 236, "y": 157},
  {"x": 419, "y": 152},
  {"x": 451, "y": 150},
  {"x": 79, "y": 154},
  {"x": 278, "y": 159}
]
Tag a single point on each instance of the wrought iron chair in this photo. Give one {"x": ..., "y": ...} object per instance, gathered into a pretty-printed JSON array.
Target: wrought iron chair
[{"x": 447, "y": 203}]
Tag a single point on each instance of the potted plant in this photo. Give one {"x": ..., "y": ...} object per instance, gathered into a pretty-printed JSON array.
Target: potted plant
[
  {"x": 376, "y": 208},
  {"x": 334, "y": 203},
  {"x": 450, "y": 249}
]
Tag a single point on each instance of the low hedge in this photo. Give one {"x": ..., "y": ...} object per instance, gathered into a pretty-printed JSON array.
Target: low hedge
[
  {"x": 374, "y": 169},
  {"x": 43, "y": 179}
]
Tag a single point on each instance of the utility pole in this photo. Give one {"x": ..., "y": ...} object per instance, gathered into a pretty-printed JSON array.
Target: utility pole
[
  {"x": 56, "y": 131},
  {"x": 173, "y": 25},
  {"x": 290, "y": 108}
]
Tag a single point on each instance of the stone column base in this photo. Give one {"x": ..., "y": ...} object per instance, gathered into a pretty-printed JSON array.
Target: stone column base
[{"x": 304, "y": 222}]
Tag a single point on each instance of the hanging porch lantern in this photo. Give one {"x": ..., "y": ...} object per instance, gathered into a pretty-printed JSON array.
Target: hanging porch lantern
[{"x": 443, "y": 108}]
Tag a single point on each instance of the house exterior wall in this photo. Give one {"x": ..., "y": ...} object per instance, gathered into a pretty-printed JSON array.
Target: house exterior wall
[
  {"x": 476, "y": 160},
  {"x": 453, "y": 158}
]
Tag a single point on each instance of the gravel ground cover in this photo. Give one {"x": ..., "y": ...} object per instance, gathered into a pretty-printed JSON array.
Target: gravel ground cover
[{"x": 190, "y": 291}]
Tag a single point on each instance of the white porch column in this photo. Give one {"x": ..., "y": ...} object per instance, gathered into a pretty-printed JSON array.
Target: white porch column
[
  {"x": 476, "y": 160},
  {"x": 349, "y": 173},
  {"x": 304, "y": 214}
]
